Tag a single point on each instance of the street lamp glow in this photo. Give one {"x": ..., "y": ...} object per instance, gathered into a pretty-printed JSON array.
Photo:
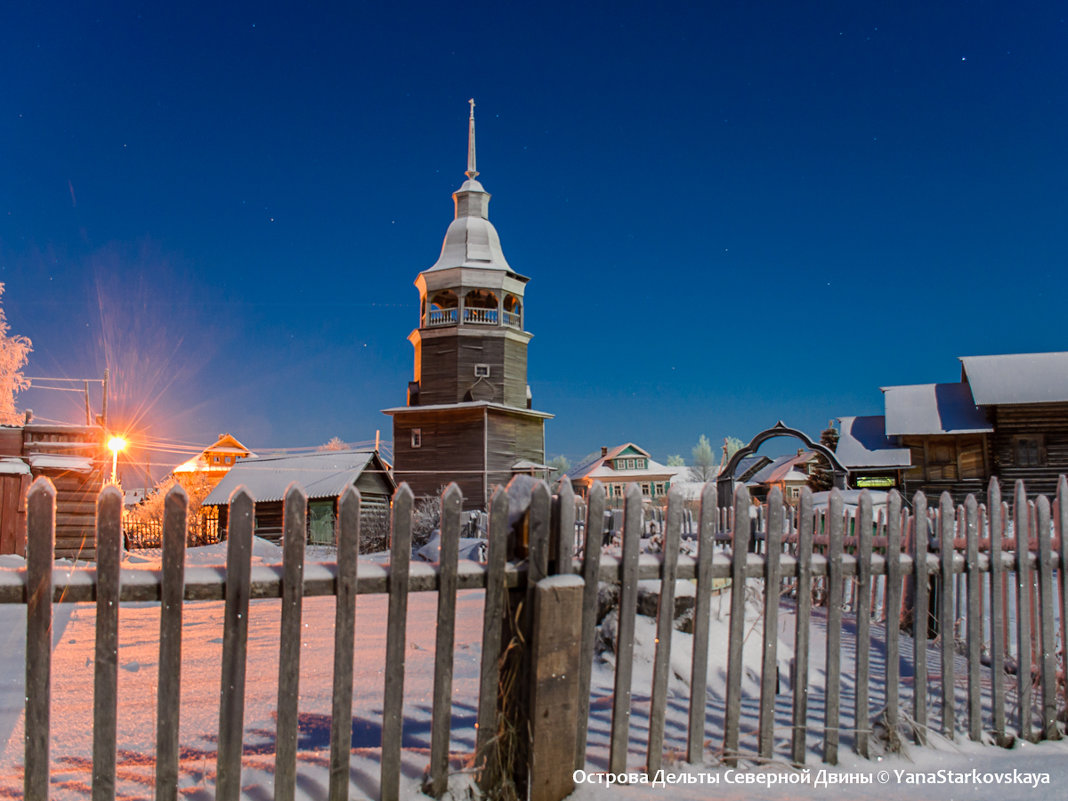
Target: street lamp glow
[{"x": 116, "y": 444}]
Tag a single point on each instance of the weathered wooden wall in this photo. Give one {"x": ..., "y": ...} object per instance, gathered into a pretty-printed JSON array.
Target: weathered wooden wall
[{"x": 1047, "y": 421}]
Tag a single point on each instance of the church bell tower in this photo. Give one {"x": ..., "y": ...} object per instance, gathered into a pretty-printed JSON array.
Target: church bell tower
[{"x": 469, "y": 417}]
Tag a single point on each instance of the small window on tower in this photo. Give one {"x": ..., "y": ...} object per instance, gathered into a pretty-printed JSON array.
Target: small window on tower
[
  {"x": 417, "y": 437},
  {"x": 482, "y": 371}
]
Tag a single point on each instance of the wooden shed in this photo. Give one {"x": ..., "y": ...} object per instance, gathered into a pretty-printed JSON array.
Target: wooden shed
[{"x": 323, "y": 476}]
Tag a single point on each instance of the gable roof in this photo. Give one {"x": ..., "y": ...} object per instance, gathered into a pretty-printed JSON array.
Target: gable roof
[
  {"x": 863, "y": 443},
  {"x": 932, "y": 409},
  {"x": 1017, "y": 378},
  {"x": 325, "y": 474}
]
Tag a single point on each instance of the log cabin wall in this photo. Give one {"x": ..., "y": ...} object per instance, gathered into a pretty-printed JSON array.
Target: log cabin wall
[
  {"x": 446, "y": 362},
  {"x": 512, "y": 437},
  {"x": 957, "y": 464},
  {"x": 449, "y": 446},
  {"x": 1030, "y": 442}
]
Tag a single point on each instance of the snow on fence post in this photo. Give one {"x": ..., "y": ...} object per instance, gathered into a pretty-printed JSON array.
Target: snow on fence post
[
  {"x": 591, "y": 565},
  {"x": 736, "y": 635},
  {"x": 400, "y": 554},
  {"x": 975, "y": 621},
  {"x": 947, "y": 532},
  {"x": 996, "y": 515},
  {"x": 1021, "y": 520},
  {"x": 628, "y": 609},
  {"x": 348, "y": 550},
  {"x": 798, "y": 746},
  {"x": 40, "y": 541},
  {"x": 836, "y": 533},
  {"x": 695, "y": 742},
  {"x": 861, "y": 715},
  {"x": 769, "y": 679},
  {"x": 106, "y": 651},
  {"x": 1048, "y": 652},
  {"x": 235, "y": 642},
  {"x": 892, "y": 618},
  {"x": 295, "y": 517},
  {"x": 487, "y": 752},
  {"x": 441, "y": 715},
  {"x": 920, "y": 533},
  {"x": 665, "y": 625},
  {"x": 169, "y": 687}
]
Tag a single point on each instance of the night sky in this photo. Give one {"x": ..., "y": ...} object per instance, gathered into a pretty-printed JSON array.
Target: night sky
[{"x": 730, "y": 213}]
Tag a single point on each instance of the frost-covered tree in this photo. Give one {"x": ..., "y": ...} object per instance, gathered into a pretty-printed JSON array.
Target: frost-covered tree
[
  {"x": 335, "y": 444},
  {"x": 14, "y": 351},
  {"x": 559, "y": 466},
  {"x": 675, "y": 460},
  {"x": 704, "y": 461},
  {"x": 731, "y": 445}
]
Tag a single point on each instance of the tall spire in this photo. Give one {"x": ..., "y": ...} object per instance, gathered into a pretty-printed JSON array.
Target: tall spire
[{"x": 471, "y": 171}]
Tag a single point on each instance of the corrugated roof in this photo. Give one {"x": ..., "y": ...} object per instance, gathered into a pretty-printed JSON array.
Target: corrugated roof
[
  {"x": 932, "y": 409},
  {"x": 863, "y": 443},
  {"x": 1017, "y": 378},
  {"x": 321, "y": 475}
]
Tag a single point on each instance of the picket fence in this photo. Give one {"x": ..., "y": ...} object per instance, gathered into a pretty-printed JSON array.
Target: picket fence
[{"x": 829, "y": 550}]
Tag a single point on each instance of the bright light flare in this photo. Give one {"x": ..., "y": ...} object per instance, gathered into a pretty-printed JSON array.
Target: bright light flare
[{"x": 117, "y": 444}]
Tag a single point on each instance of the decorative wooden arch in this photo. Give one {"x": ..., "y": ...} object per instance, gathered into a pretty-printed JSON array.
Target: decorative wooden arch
[{"x": 725, "y": 482}]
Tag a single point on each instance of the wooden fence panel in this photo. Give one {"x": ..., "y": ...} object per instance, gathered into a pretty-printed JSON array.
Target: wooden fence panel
[
  {"x": 919, "y": 623},
  {"x": 235, "y": 642},
  {"x": 591, "y": 566},
  {"x": 169, "y": 687},
  {"x": 40, "y": 526},
  {"x": 947, "y": 531},
  {"x": 400, "y": 554},
  {"x": 1021, "y": 520},
  {"x": 441, "y": 715},
  {"x": 861, "y": 715},
  {"x": 975, "y": 621},
  {"x": 736, "y": 636},
  {"x": 665, "y": 625},
  {"x": 695, "y": 741},
  {"x": 486, "y": 752},
  {"x": 832, "y": 715},
  {"x": 294, "y": 516},
  {"x": 106, "y": 652},
  {"x": 1048, "y": 651},
  {"x": 1062, "y": 571},
  {"x": 893, "y": 610},
  {"x": 997, "y": 609},
  {"x": 562, "y": 547},
  {"x": 348, "y": 550},
  {"x": 769, "y": 679},
  {"x": 798, "y": 746},
  {"x": 628, "y": 608}
]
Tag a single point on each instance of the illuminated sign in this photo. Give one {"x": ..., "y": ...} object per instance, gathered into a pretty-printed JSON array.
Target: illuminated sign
[{"x": 876, "y": 481}]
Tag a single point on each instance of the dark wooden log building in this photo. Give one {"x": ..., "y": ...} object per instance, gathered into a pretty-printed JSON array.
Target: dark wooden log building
[
  {"x": 76, "y": 461},
  {"x": 469, "y": 418}
]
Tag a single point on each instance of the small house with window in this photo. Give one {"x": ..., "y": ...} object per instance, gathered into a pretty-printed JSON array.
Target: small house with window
[
  {"x": 214, "y": 462},
  {"x": 324, "y": 476},
  {"x": 617, "y": 467}
]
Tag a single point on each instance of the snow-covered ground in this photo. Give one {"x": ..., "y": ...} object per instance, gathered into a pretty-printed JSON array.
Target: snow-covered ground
[{"x": 202, "y": 648}]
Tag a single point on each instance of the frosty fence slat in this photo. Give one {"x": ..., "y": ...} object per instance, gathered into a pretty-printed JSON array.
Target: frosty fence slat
[{"x": 1031, "y": 558}]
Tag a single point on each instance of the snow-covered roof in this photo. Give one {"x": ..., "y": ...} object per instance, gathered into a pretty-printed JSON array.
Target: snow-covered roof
[
  {"x": 932, "y": 409},
  {"x": 781, "y": 468},
  {"x": 11, "y": 466},
  {"x": 325, "y": 474},
  {"x": 72, "y": 464},
  {"x": 598, "y": 466},
  {"x": 863, "y": 443},
  {"x": 437, "y": 407},
  {"x": 1017, "y": 378}
]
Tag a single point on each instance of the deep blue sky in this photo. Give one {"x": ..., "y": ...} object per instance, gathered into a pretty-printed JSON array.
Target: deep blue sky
[{"x": 730, "y": 213}]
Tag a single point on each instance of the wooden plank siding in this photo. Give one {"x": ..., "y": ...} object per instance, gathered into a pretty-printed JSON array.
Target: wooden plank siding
[
  {"x": 446, "y": 359},
  {"x": 1048, "y": 422}
]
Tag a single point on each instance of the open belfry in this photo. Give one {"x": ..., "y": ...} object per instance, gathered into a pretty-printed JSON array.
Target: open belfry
[{"x": 469, "y": 417}]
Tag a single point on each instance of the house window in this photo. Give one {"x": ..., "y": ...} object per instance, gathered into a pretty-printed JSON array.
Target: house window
[
  {"x": 658, "y": 488},
  {"x": 226, "y": 460},
  {"x": 645, "y": 488},
  {"x": 417, "y": 437},
  {"x": 1029, "y": 452},
  {"x": 482, "y": 371}
]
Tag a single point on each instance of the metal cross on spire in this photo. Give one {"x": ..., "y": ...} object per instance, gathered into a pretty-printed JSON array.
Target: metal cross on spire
[{"x": 471, "y": 171}]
